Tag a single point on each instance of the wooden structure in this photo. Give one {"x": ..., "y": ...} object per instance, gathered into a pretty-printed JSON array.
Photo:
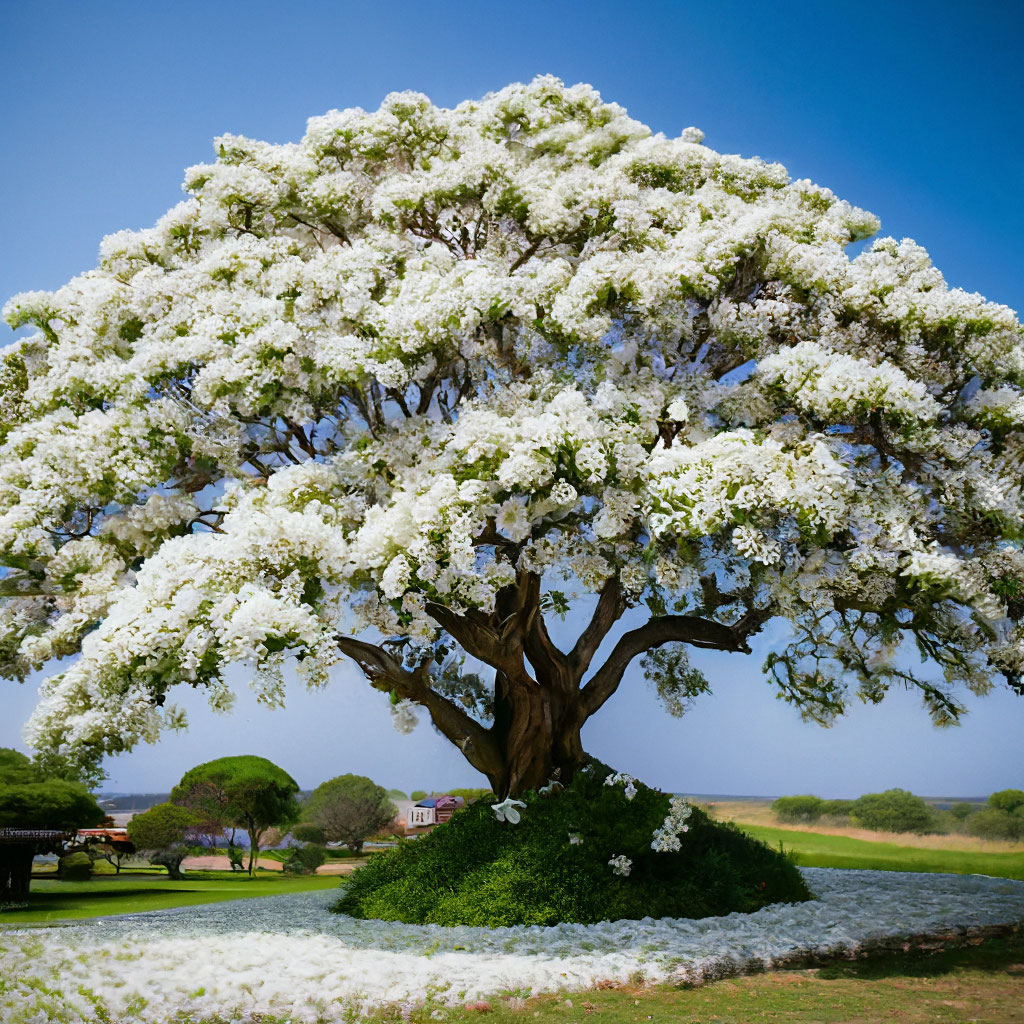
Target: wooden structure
[{"x": 17, "y": 848}]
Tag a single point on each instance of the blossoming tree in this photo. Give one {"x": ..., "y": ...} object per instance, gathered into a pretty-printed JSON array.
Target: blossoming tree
[{"x": 403, "y": 390}]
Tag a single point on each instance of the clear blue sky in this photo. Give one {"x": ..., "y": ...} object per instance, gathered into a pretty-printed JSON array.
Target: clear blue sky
[{"x": 912, "y": 110}]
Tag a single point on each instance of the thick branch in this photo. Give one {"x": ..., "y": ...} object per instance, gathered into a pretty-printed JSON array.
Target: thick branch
[
  {"x": 610, "y": 606},
  {"x": 385, "y": 671},
  {"x": 665, "y": 629}
]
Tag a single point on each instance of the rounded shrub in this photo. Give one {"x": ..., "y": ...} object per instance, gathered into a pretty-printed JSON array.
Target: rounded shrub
[
  {"x": 75, "y": 867},
  {"x": 562, "y": 862},
  {"x": 304, "y": 860},
  {"x": 895, "y": 810},
  {"x": 798, "y": 808}
]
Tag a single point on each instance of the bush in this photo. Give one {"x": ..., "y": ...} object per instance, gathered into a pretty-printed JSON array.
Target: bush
[
  {"x": 1007, "y": 800},
  {"x": 475, "y": 870},
  {"x": 895, "y": 810},
  {"x": 307, "y": 832},
  {"x": 993, "y": 823},
  {"x": 75, "y": 867},
  {"x": 962, "y": 811},
  {"x": 417, "y": 794},
  {"x": 836, "y": 808},
  {"x": 304, "y": 860},
  {"x": 1002, "y": 818},
  {"x": 802, "y": 809}
]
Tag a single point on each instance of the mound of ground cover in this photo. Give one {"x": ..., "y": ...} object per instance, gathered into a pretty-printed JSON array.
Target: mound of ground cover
[{"x": 556, "y": 864}]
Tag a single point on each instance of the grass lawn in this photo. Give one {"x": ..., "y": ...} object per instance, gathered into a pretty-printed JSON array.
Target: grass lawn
[
  {"x": 815, "y": 849},
  {"x": 52, "y": 900}
]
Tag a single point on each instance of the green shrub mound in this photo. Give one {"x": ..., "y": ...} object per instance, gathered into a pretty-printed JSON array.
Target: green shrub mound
[{"x": 476, "y": 870}]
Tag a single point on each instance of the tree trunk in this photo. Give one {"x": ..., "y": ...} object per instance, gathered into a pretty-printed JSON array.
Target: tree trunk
[
  {"x": 255, "y": 835},
  {"x": 15, "y": 871},
  {"x": 538, "y": 730}
]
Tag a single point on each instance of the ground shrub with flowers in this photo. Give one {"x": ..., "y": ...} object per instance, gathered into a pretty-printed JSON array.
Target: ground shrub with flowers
[{"x": 605, "y": 847}]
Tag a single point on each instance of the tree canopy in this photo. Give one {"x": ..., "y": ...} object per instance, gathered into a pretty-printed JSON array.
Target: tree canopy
[
  {"x": 245, "y": 791},
  {"x": 30, "y": 800},
  {"x": 164, "y": 831},
  {"x": 405, "y": 389},
  {"x": 349, "y": 809}
]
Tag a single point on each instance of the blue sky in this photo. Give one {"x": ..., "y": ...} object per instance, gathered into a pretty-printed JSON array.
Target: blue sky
[{"x": 912, "y": 110}]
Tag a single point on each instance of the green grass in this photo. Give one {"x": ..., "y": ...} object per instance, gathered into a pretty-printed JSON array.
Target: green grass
[
  {"x": 814, "y": 849},
  {"x": 53, "y": 900}
]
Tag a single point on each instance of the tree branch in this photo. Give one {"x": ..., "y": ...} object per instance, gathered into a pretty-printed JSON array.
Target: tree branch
[
  {"x": 385, "y": 672},
  {"x": 610, "y": 606},
  {"x": 665, "y": 629}
]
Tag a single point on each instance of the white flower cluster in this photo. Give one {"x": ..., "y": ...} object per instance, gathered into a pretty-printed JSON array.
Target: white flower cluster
[
  {"x": 833, "y": 385},
  {"x": 627, "y": 782},
  {"x": 666, "y": 838},
  {"x": 621, "y": 865},
  {"x": 404, "y": 717}
]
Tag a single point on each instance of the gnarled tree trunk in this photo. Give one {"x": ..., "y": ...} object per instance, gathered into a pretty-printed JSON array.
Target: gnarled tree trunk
[{"x": 541, "y": 701}]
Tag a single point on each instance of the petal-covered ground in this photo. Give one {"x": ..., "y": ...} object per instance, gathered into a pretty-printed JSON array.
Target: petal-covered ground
[{"x": 289, "y": 955}]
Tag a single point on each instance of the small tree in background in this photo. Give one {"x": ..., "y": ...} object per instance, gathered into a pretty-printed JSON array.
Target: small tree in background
[
  {"x": 803, "y": 809},
  {"x": 246, "y": 791},
  {"x": 1008, "y": 800},
  {"x": 417, "y": 794},
  {"x": 1002, "y": 818},
  {"x": 397, "y": 794},
  {"x": 164, "y": 832},
  {"x": 304, "y": 860},
  {"x": 349, "y": 809},
  {"x": 895, "y": 810}
]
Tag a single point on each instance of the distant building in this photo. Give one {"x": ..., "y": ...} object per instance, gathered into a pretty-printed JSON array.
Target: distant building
[{"x": 430, "y": 811}]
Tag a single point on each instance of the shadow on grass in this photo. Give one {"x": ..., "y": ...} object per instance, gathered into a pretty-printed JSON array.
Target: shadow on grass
[{"x": 996, "y": 955}]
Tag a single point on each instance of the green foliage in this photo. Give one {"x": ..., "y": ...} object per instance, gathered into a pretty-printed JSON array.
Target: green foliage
[
  {"x": 483, "y": 793},
  {"x": 75, "y": 867},
  {"x": 836, "y": 808},
  {"x": 51, "y": 804},
  {"x": 161, "y": 827},
  {"x": 15, "y": 767},
  {"x": 417, "y": 794},
  {"x": 245, "y": 792},
  {"x": 1007, "y": 800},
  {"x": 476, "y": 870},
  {"x": 304, "y": 860},
  {"x": 307, "y": 832},
  {"x": 895, "y": 810},
  {"x": 962, "y": 811},
  {"x": 349, "y": 809},
  {"x": 995, "y": 823},
  {"x": 397, "y": 794},
  {"x": 798, "y": 808},
  {"x": 30, "y": 799}
]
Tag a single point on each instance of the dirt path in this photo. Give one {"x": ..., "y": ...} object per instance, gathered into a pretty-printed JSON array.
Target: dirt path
[{"x": 222, "y": 863}]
